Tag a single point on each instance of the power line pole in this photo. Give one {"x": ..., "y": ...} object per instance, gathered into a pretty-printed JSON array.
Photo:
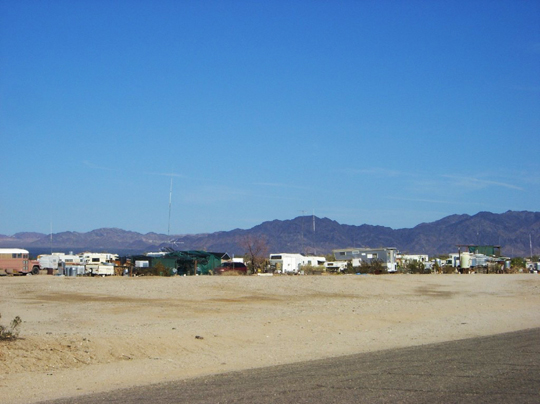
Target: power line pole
[{"x": 170, "y": 203}]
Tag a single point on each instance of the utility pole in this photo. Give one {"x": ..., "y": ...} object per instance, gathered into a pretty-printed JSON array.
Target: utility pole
[
  {"x": 170, "y": 202},
  {"x": 303, "y": 247},
  {"x": 51, "y": 237}
]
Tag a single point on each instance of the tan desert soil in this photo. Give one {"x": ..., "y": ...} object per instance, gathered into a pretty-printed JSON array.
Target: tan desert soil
[{"x": 84, "y": 335}]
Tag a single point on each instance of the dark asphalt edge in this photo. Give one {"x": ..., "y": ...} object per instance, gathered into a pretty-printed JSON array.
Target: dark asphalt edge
[{"x": 367, "y": 357}]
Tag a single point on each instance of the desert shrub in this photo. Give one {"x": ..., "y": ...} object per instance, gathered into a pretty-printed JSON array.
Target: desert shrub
[
  {"x": 513, "y": 270},
  {"x": 374, "y": 267},
  {"x": 11, "y": 332},
  {"x": 312, "y": 270},
  {"x": 448, "y": 269},
  {"x": 233, "y": 273},
  {"x": 159, "y": 269},
  {"x": 415, "y": 267},
  {"x": 516, "y": 264},
  {"x": 363, "y": 268},
  {"x": 377, "y": 267}
]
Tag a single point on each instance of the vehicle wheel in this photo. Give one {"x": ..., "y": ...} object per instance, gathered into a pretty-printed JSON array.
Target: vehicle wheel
[{"x": 35, "y": 271}]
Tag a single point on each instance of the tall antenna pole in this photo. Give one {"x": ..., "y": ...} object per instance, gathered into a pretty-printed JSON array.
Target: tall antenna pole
[
  {"x": 313, "y": 220},
  {"x": 51, "y": 236},
  {"x": 302, "y": 222},
  {"x": 170, "y": 203},
  {"x": 530, "y": 244}
]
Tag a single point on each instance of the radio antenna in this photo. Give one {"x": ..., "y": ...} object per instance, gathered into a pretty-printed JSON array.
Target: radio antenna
[{"x": 170, "y": 203}]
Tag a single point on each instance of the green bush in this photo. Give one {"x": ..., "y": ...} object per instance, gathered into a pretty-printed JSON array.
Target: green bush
[
  {"x": 415, "y": 267},
  {"x": 159, "y": 269}
]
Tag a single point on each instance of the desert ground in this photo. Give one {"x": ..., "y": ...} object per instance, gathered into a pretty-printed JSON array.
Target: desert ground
[{"x": 85, "y": 335}]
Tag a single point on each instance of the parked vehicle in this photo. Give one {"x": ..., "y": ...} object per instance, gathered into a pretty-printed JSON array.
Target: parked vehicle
[
  {"x": 336, "y": 266},
  {"x": 15, "y": 261},
  {"x": 293, "y": 263},
  {"x": 99, "y": 263},
  {"x": 49, "y": 262},
  {"x": 239, "y": 267},
  {"x": 100, "y": 269}
]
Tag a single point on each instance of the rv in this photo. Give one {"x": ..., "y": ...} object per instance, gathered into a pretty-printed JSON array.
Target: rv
[
  {"x": 386, "y": 255},
  {"x": 293, "y": 263},
  {"x": 99, "y": 263}
]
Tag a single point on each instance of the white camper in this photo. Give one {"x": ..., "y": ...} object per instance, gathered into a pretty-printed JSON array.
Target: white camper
[
  {"x": 51, "y": 262},
  {"x": 293, "y": 263},
  {"x": 336, "y": 266},
  {"x": 341, "y": 266},
  {"x": 99, "y": 263}
]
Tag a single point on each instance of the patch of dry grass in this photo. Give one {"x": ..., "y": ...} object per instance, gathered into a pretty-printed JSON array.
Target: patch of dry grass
[{"x": 10, "y": 332}]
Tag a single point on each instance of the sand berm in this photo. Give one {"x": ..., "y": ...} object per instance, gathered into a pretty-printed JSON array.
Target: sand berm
[{"x": 84, "y": 335}]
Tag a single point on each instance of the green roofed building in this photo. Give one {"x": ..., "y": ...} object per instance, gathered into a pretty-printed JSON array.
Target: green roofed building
[{"x": 188, "y": 262}]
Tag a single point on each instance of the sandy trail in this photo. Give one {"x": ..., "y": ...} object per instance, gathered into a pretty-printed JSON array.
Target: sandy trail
[{"x": 84, "y": 335}]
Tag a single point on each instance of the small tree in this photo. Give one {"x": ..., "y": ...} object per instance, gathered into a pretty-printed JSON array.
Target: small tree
[
  {"x": 376, "y": 267},
  {"x": 517, "y": 263},
  {"x": 256, "y": 251}
]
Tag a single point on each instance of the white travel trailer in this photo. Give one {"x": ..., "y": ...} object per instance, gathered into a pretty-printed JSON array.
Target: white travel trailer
[
  {"x": 340, "y": 266},
  {"x": 293, "y": 263},
  {"x": 58, "y": 262},
  {"x": 51, "y": 262},
  {"x": 99, "y": 263}
]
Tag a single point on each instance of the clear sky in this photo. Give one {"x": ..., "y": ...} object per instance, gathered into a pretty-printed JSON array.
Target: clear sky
[{"x": 388, "y": 113}]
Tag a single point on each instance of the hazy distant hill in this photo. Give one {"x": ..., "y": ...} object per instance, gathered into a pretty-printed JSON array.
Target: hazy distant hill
[{"x": 307, "y": 234}]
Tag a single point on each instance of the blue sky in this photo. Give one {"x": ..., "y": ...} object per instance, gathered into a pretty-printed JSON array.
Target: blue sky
[{"x": 388, "y": 113}]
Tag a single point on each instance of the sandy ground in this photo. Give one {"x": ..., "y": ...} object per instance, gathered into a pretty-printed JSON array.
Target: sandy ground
[{"x": 84, "y": 335}]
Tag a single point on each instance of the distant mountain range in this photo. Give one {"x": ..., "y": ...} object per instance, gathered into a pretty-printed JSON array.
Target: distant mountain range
[{"x": 513, "y": 231}]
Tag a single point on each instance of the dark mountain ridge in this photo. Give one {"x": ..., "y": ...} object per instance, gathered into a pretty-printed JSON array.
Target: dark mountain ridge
[{"x": 513, "y": 231}]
